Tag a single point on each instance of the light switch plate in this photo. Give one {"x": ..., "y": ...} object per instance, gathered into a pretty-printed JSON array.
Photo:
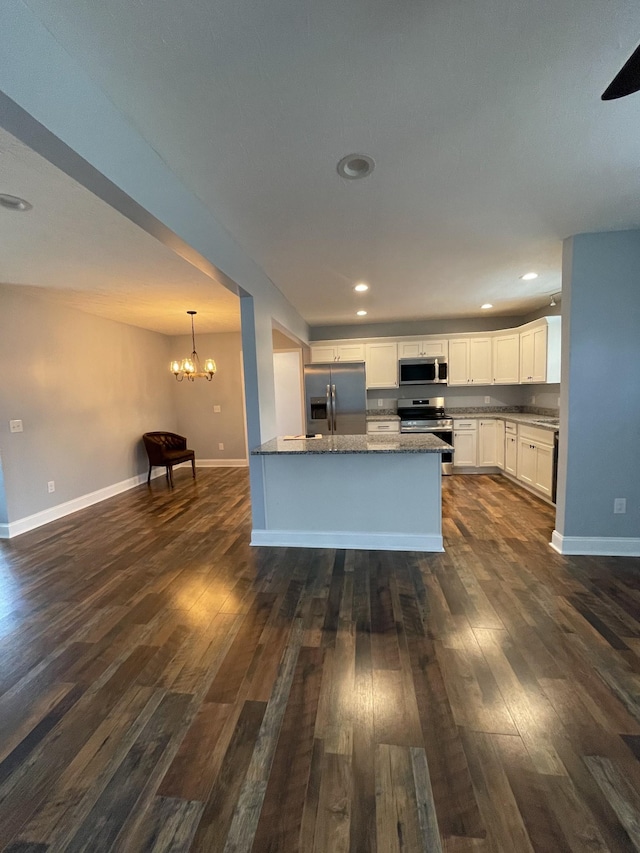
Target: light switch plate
[
  {"x": 619, "y": 505},
  {"x": 15, "y": 426},
  {"x": 216, "y": 409}
]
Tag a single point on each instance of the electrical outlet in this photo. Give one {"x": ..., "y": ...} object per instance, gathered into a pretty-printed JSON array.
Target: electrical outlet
[
  {"x": 51, "y": 486},
  {"x": 380, "y": 403},
  {"x": 220, "y": 446},
  {"x": 619, "y": 505},
  {"x": 558, "y": 402},
  {"x": 15, "y": 426},
  {"x": 487, "y": 399},
  {"x": 533, "y": 399},
  {"x": 216, "y": 408}
]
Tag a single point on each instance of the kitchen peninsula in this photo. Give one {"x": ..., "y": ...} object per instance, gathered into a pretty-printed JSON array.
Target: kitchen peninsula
[{"x": 353, "y": 491}]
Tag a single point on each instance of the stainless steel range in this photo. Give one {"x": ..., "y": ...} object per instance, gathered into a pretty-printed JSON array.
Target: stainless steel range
[{"x": 428, "y": 415}]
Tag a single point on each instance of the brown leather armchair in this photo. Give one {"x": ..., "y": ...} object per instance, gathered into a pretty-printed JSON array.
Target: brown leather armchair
[{"x": 167, "y": 449}]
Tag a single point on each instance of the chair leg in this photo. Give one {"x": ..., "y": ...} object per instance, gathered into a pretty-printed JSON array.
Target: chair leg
[
  {"x": 170, "y": 473},
  {"x": 193, "y": 467},
  {"x": 149, "y": 476}
]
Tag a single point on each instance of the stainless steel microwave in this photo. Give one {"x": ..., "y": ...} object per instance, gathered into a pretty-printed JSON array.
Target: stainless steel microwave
[{"x": 422, "y": 371}]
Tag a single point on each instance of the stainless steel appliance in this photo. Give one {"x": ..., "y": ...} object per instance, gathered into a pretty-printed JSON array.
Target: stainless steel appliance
[
  {"x": 335, "y": 398},
  {"x": 422, "y": 371},
  {"x": 428, "y": 415}
]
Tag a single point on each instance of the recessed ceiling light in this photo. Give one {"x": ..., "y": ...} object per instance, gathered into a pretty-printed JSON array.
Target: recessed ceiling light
[
  {"x": 361, "y": 313},
  {"x": 361, "y": 287},
  {"x": 355, "y": 166},
  {"x": 486, "y": 305},
  {"x": 529, "y": 276},
  {"x": 12, "y": 202}
]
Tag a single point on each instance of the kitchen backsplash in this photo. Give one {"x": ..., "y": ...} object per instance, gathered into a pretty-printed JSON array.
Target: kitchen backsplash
[{"x": 537, "y": 399}]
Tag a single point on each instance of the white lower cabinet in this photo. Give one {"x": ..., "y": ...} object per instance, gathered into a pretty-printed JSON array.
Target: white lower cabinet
[
  {"x": 535, "y": 459},
  {"x": 465, "y": 444},
  {"x": 378, "y": 427},
  {"x": 488, "y": 444},
  {"x": 500, "y": 445},
  {"x": 511, "y": 449}
]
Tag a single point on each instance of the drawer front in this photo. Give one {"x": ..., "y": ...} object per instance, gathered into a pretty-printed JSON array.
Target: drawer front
[
  {"x": 536, "y": 435},
  {"x": 465, "y": 424},
  {"x": 511, "y": 428},
  {"x": 383, "y": 426}
]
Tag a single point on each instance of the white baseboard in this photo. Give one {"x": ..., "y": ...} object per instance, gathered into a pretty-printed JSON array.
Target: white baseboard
[
  {"x": 222, "y": 463},
  {"x": 30, "y": 522},
  {"x": 597, "y": 546},
  {"x": 216, "y": 463},
  {"x": 339, "y": 539}
]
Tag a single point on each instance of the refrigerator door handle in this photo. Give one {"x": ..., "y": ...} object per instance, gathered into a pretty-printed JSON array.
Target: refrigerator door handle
[
  {"x": 333, "y": 407},
  {"x": 329, "y": 408}
]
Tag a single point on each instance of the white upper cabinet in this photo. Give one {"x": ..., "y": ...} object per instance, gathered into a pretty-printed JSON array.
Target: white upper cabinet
[
  {"x": 422, "y": 349},
  {"x": 339, "y": 352},
  {"x": 533, "y": 355},
  {"x": 470, "y": 361},
  {"x": 321, "y": 354},
  {"x": 381, "y": 361},
  {"x": 540, "y": 351},
  {"x": 506, "y": 359},
  {"x": 459, "y": 362}
]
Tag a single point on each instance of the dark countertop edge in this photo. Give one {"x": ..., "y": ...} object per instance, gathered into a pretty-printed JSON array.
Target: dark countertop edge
[{"x": 398, "y": 450}]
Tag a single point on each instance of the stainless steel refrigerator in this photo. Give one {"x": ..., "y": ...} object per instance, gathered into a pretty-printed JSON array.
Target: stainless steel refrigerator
[{"x": 335, "y": 398}]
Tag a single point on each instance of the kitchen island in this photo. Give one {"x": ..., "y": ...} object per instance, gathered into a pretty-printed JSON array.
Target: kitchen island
[{"x": 353, "y": 491}]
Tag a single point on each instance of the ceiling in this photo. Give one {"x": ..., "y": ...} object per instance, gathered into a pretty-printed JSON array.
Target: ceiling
[
  {"x": 484, "y": 120},
  {"x": 76, "y": 249}
]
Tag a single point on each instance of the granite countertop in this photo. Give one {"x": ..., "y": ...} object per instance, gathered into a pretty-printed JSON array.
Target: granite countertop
[
  {"x": 542, "y": 421},
  {"x": 381, "y": 416},
  {"x": 423, "y": 443}
]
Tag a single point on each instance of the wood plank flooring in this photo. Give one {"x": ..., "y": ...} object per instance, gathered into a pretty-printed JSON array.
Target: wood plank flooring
[{"x": 165, "y": 687}]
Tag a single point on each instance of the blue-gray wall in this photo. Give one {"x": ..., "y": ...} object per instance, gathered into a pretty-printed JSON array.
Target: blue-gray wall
[{"x": 600, "y": 396}]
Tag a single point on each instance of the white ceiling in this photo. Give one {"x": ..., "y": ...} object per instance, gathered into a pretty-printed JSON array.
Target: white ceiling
[
  {"x": 74, "y": 248},
  {"x": 484, "y": 119}
]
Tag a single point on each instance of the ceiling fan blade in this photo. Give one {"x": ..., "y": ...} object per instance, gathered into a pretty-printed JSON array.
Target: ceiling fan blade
[{"x": 627, "y": 80}]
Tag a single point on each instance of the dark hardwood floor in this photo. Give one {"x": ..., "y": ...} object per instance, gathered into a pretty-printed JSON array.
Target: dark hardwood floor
[{"x": 163, "y": 686}]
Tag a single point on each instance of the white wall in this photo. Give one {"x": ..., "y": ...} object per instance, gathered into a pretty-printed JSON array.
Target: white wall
[
  {"x": 86, "y": 389},
  {"x": 287, "y": 368}
]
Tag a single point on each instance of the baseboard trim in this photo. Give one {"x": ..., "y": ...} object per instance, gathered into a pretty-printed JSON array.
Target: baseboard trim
[
  {"x": 38, "y": 519},
  {"x": 339, "y": 539},
  {"x": 216, "y": 463},
  {"x": 596, "y": 546}
]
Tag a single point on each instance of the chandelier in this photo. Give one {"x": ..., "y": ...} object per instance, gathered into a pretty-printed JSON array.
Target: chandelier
[{"x": 190, "y": 367}]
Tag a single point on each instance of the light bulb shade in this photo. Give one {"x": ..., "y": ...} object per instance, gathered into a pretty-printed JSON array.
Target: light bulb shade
[{"x": 191, "y": 367}]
